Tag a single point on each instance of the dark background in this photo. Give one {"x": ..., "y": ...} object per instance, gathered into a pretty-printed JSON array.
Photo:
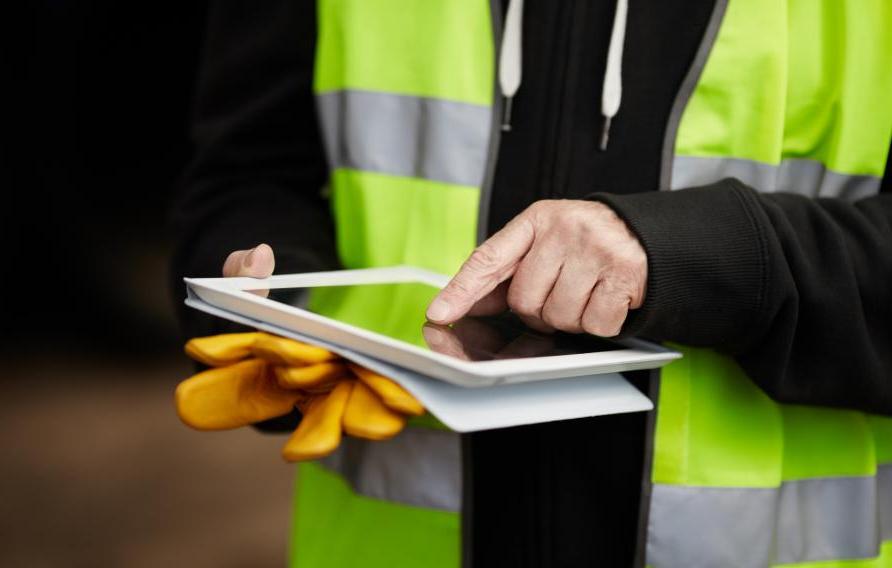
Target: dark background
[{"x": 95, "y": 468}]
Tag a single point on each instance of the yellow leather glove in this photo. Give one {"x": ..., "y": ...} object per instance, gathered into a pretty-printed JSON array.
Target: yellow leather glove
[{"x": 257, "y": 376}]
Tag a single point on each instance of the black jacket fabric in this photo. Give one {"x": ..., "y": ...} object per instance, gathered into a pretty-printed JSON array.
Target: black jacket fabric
[{"x": 798, "y": 290}]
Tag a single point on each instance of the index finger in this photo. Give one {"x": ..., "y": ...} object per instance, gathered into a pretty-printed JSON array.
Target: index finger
[{"x": 489, "y": 265}]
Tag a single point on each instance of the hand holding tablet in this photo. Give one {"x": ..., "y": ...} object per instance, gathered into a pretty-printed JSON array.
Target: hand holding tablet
[{"x": 375, "y": 317}]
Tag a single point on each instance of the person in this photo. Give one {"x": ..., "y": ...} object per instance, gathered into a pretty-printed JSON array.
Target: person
[{"x": 707, "y": 173}]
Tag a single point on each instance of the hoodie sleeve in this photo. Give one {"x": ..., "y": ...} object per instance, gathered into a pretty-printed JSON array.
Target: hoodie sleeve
[
  {"x": 798, "y": 290},
  {"x": 258, "y": 170}
]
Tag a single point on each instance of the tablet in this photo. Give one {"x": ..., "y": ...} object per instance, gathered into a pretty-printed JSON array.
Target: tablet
[{"x": 379, "y": 312}]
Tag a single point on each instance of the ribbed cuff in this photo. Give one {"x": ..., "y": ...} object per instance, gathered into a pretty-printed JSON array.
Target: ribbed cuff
[{"x": 706, "y": 261}]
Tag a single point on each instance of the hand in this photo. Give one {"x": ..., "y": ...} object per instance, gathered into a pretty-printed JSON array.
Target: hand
[
  {"x": 257, "y": 376},
  {"x": 561, "y": 264}
]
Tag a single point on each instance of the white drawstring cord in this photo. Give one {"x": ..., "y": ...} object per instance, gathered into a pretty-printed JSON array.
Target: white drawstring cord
[
  {"x": 511, "y": 65},
  {"x": 511, "y": 58},
  {"x": 612, "y": 91}
]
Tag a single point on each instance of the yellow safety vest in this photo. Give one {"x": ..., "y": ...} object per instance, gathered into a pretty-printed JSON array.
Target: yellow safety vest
[{"x": 786, "y": 95}]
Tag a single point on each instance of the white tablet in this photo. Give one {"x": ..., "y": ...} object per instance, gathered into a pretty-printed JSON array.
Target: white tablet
[{"x": 379, "y": 312}]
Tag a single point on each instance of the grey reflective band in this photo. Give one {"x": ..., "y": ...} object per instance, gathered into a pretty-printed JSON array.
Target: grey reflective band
[
  {"x": 408, "y": 136},
  {"x": 806, "y": 177},
  {"x": 692, "y": 527},
  {"x": 827, "y": 519},
  {"x": 419, "y": 467},
  {"x": 808, "y": 520},
  {"x": 884, "y": 495}
]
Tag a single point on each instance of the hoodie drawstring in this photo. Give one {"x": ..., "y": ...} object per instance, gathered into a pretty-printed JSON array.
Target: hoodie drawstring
[
  {"x": 511, "y": 58},
  {"x": 612, "y": 91},
  {"x": 511, "y": 64}
]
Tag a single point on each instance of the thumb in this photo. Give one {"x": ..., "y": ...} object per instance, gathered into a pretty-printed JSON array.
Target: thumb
[{"x": 258, "y": 262}]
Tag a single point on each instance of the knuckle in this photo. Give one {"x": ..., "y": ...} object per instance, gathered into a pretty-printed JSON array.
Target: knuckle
[
  {"x": 538, "y": 206},
  {"x": 590, "y": 327},
  {"x": 600, "y": 328},
  {"x": 587, "y": 232},
  {"x": 627, "y": 284},
  {"x": 548, "y": 319},
  {"x": 460, "y": 286},
  {"x": 578, "y": 215},
  {"x": 606, "y": 318},
  {"x": 610, "y": 256},
  {"x": 620, "y": 280},
  {"x": 613, "y": 330},
  {"x": 540, "y": 210},
  {"x": 483, "y": 259},
  {"x": 629, "y": 261},
  {"x": 523, "y": 306},
  {"x": 556, "y": 318},
  {"x": 582, "y": 215}
]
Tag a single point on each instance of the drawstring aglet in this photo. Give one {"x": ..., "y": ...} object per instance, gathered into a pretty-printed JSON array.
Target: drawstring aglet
[
  {"x": 605, "y": 134},
  {"x": 506, "y": 115}
]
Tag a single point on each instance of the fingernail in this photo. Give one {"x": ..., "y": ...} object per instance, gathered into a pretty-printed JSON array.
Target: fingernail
[
  {"x": 249, "y": 258},
  {"x": 438, "y": 310}
]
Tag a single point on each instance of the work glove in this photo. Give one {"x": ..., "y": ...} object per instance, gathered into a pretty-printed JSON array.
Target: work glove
[{"x": 258, "y": 376}]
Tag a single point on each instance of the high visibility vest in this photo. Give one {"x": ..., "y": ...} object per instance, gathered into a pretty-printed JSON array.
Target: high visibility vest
[{"x": 786, "y": 95}]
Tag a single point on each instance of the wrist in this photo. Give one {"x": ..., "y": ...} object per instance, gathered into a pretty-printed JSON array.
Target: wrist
[{"x": 706, "y": 261}]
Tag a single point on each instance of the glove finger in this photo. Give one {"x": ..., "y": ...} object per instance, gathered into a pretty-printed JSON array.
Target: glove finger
[
  {"x": 392, "y": 394},
  {"x": 310, "y": 376},
  {"x": 285, "y": 351},
  {"x": 366, "y": 416},
  {"x": 232, "y": 396},
  {"x": 319, "y": 432},
  {"x": 220, "y": 350}
]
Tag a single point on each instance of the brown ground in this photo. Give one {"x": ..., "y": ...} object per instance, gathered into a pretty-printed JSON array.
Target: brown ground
[{"x": 96, "y": 470}]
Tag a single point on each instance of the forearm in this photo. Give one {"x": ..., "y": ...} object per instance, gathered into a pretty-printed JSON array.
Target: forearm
[{"x": 796, "y": 289}]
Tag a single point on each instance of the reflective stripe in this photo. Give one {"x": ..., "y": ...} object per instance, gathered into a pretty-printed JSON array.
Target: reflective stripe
[
  {"x": 884, "y": 497},
  {"x": 402, "y": 135},
  {"x": 805, "y": 177},
  {"x": 691, "y": 527},
  {"x": 802, "y": 521},
  {"x": 420, "y": 467},
  {"x": 827, "y": 519}
]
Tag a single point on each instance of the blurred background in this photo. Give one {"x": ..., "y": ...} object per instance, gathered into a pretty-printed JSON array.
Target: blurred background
[{"x": 96, "y": 470}]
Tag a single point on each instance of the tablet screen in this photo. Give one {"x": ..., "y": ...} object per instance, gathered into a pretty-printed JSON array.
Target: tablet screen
[{"x": 396, "y": 310}]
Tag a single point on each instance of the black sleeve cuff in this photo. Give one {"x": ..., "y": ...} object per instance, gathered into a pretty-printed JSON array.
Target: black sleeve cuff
[{"x": 706, "y": 261}]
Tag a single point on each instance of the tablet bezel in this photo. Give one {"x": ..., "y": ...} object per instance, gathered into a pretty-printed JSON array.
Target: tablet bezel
[{"x": 231, "y": 295}]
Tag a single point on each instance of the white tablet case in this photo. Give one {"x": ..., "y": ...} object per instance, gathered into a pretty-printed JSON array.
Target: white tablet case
[
  {"x": 484, "y": 408},
  {"x": 230, "y": 295}
]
